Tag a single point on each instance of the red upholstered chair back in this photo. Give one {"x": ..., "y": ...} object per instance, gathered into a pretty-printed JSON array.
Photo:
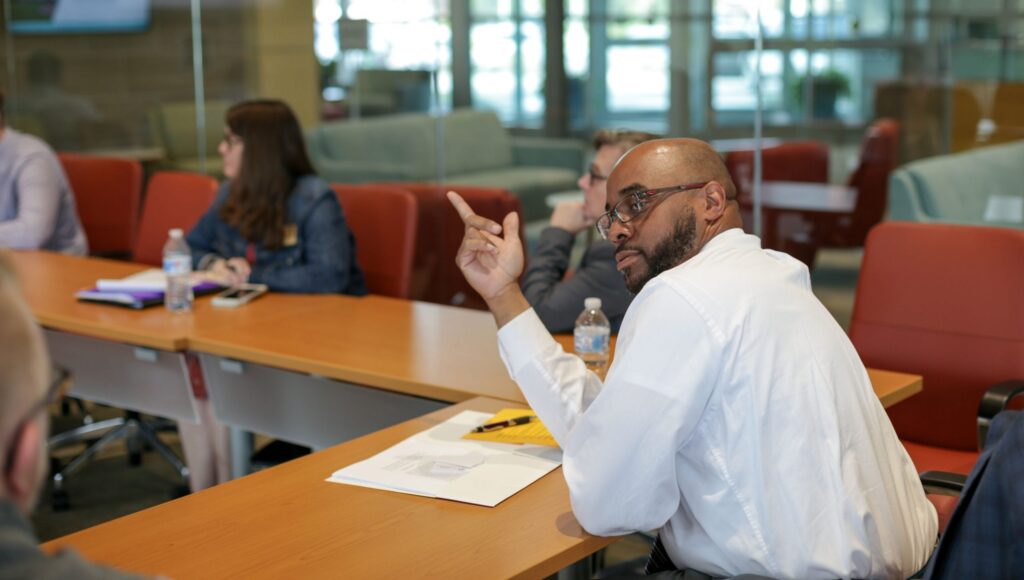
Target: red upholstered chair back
[
  {"x": 436, "y": 278},
  {"x": 107, "y": 192},
  {"x": 174, "y": 199},
  {"x": 795, "y": 161},
  {"x": 945, "y": 302},
  {"x": 383, "y": 220},
  {"x": 878, "y": 157}
]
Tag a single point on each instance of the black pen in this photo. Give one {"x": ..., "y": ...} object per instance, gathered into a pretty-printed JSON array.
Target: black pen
[{"x": 506, "y": 423}]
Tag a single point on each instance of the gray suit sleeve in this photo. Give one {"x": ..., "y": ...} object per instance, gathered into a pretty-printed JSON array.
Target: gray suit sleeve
[{"x": 558, "y": 302}]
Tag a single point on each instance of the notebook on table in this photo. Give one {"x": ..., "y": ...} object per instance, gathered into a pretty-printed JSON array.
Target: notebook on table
[{"x": 140, "y": 290}]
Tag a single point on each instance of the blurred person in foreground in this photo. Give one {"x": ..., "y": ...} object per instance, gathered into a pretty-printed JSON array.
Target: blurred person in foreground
[
  {"x": 27, "y": 387},
  {"x": 736, "y": 417}
]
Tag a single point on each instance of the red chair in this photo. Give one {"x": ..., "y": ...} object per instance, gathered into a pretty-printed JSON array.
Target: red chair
[
  {"x": 878, "y": 157},
  {"x": 794, "y": 161},
  {"x": 107, "y": 192},
  {"x": 435, "y": 276},
  {"x": 805, "y": 161},
  {"x": 383, "y": 220},
  {"x": 945, "y": 302},
  {"x": 174, "y": 199}
]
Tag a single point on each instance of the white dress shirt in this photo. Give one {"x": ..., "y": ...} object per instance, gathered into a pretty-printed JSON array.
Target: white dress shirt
[{"x": 738, "y": 418}]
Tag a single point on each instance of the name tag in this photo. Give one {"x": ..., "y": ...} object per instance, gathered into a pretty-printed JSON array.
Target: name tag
[{"x": 291, "y": 235}]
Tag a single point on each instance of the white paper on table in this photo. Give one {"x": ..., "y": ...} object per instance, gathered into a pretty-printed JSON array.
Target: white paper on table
[
  {"x": 1004, "y": 208},
  {"x": 439, "y": 463},
  {"x": 152, "y": 280}
]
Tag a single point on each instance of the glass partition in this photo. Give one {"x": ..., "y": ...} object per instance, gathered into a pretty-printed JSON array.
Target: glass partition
[{"x": 152, "y": 80}]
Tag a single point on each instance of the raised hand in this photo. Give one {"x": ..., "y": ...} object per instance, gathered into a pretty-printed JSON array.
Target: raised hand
[{"x": 490, "y": 262}]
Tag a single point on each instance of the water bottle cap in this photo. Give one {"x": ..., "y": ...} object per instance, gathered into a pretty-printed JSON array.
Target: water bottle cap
[
  {"x": 592, "y": 303},
  {"x": 176, "y": 233}
]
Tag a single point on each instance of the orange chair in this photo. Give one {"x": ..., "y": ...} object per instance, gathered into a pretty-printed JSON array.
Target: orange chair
[
  {"x": 107, "y": 192},
  {"x": 174, "y": 199},
  {"x": 435, "y": 276},
  {"x": 945, "y": 302},
  {"x": 383, "y": 221}
]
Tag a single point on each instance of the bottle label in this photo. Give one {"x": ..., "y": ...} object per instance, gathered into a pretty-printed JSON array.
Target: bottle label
[
  {"x": 591, "y": 339},
  {"x": 177, "y": 265}
]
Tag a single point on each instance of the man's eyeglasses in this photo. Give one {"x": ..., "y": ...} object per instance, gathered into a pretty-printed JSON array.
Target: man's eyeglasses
[
  {"x": 56, "y": 390},
  {"x": 636, "y": 203}
]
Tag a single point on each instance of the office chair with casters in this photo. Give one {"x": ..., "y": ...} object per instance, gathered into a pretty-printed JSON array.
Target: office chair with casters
[
  {"x": 944, "y": 301},
  {"x": 173, "y": 200}
]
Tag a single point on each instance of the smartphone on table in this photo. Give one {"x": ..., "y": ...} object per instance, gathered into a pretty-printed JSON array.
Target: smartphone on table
[{"x": 239, "y": 295}]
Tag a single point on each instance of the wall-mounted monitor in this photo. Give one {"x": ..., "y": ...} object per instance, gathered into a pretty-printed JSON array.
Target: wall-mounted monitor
[{"x": 78, "y": 16}]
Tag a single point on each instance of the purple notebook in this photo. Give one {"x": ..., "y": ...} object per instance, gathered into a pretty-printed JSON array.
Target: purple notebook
[{"x": 138, "y": 299}]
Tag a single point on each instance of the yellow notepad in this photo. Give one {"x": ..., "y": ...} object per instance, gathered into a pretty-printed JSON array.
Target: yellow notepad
[{"x": 533, "y": 433}]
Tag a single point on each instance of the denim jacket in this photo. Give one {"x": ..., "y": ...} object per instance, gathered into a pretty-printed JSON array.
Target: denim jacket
[{"x": 322, "y": 258}]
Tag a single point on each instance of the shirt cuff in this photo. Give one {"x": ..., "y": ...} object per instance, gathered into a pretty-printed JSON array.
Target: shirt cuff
[{"x": 523, "y": 339}]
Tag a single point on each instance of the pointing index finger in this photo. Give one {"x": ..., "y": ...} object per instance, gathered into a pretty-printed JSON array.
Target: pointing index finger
[
  {"x": 465, "y": 212},
  {"x": 470, "y": 218}
]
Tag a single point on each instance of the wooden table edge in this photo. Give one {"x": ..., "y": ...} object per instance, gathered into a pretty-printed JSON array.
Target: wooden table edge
[{"x": 588, "y": 543}]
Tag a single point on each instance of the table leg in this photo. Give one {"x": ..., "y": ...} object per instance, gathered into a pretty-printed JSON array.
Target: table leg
[{"x": 241, "y": 452}]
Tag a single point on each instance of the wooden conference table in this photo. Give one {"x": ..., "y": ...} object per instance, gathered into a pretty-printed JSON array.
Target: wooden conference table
[
  {"x": 287, "y": 522},
  {"x": 319, "y": 361},
  {"x": 315, "y": 370}
]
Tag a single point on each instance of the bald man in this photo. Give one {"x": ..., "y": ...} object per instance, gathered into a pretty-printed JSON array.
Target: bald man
[
  {"x": 25, "y": 391},
  {"x": 736, "y": 417}
]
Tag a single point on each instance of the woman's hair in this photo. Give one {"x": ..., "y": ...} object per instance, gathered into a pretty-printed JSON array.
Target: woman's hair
[{"x": 273, "y": 159}]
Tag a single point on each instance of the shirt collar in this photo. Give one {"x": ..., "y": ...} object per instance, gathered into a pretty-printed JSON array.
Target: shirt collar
[{"x": 734, "y": 237}]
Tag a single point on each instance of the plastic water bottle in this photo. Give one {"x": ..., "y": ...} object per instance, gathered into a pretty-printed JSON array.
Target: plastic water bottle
[
  {"x": 591, "y": 335},
  {"x": 178, "y": 269}
]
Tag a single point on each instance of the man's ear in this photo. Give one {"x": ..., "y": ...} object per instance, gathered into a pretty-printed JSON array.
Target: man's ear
[
  {"x": 22, "y": 477},
  {"x": 715, "y": 201}
]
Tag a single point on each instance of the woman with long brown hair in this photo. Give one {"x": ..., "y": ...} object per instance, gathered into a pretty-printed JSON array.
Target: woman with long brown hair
[{"x": 274, "y": 221}]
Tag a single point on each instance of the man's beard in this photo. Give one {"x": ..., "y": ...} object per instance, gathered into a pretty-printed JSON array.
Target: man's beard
[{"x": 671, "y": 252}]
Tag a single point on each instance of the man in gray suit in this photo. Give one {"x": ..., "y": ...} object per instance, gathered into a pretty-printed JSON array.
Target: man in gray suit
[{"x": 559, "y": 301}]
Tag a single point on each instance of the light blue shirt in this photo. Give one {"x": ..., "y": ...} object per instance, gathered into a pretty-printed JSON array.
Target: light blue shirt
[{"x": 37, "y": 207}]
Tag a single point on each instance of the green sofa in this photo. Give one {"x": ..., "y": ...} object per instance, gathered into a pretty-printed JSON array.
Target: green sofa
[
  {"x": 982, "y": 187},
  {"x": 173, "y": 126},
  {"x": 474, "y": 150}
]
